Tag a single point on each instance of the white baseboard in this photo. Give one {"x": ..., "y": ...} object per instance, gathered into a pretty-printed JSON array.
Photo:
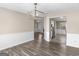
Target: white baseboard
[
  {"x": 73, "y": 40},
  {"x": 9, "y": 40}
]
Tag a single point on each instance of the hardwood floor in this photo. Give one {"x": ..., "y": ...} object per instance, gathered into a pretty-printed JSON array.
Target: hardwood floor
[
  {"x": 72, "y": 51},
  {"x": 40, "y": 48}
]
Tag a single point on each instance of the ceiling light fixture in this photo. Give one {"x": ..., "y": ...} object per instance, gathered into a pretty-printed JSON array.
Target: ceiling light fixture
[{"x": 36, "y": 11}]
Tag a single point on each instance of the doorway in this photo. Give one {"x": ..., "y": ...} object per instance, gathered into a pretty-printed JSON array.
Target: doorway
[
  {"x": 39, "y": 28},
  {"x": 58, "y": 30}
]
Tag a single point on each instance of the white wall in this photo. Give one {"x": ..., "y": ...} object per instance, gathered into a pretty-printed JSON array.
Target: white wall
[
  {"x": 46, "y": 28},
  {"x": 72, "y": 40},
  {"x": 13, "y": 39}
]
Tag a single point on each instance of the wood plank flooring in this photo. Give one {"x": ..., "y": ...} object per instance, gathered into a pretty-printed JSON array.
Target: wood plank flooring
[
  {"x": 40, "y": 48},
  {"x": 72, "y": 51}
]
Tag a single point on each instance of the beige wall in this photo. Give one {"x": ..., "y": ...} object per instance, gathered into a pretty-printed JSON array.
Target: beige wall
[
  {"x": 14, "y": 22},
  {"x": 72, "y": 21}
]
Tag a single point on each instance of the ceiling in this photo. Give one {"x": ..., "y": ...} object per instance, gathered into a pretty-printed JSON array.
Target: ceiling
[{"x": 49, "y": 8}]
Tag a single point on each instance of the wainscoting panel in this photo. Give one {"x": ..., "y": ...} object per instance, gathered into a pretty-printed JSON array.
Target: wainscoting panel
[
  {"x": 10, "y": 40},
  {"x": 46, "y": 36},
  {"x": 73, "y": 40}
]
